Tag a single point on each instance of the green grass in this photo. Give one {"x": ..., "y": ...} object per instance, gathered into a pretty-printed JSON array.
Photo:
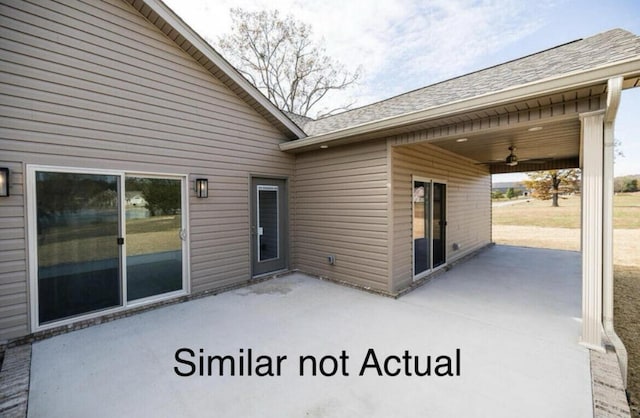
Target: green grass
[
  {"x": 626, "y": 212},
  {"x": 533, "y": 212}
]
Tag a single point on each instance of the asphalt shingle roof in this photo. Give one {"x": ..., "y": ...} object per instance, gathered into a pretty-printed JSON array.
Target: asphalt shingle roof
[{"x": 607, "y": 47}]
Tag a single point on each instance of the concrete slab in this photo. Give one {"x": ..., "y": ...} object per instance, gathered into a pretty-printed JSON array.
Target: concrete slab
[{"x": 512, "y": 312}]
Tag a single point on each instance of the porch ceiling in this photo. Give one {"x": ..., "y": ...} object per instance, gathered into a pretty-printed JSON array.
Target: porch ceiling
[
  {"x": 554, "y": 142},
  {"x": 556, "y": 145},
  {"x": 545, "y": 131}
]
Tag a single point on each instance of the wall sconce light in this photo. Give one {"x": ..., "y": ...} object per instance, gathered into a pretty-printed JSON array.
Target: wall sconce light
[
  {"x": 4, "y": 182},
  {"x": 202, "y": 187}
]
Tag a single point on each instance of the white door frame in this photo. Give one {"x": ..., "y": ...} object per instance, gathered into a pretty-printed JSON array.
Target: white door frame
[
  {"x": 32, "y": 244},
  {"x": 431, "y": 269}
]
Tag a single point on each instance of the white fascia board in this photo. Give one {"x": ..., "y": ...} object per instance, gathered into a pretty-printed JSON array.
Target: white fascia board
[
  {"x": 568, "y": 81},
  {"x": 207, "y": 50}
]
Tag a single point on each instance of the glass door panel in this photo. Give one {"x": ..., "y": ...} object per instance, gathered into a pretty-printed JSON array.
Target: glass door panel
[
  {"x": 153, "y": 212},
  {"x": 439, "y": 224},
  {"x": 267, "y": 222},
  {"x": 77, "y": 244},
  {"x": 421, "y": 226}
]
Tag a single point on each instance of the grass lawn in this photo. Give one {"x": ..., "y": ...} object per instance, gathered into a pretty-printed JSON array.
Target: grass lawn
[
  {"x": 534, "y": 223},
  {"x": 533, "y": 212}
]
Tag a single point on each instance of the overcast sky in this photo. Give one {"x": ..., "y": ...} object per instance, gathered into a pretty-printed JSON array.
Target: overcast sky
[{"x": 407, "y": 44}]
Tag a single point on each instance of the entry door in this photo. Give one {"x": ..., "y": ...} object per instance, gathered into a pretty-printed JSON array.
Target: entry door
[
  {"x": 429, "y": 226},
  {"x": 268, "y": 225}
]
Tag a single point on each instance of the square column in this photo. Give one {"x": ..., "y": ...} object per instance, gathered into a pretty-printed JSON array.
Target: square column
[{"x": 592, "y": 138}]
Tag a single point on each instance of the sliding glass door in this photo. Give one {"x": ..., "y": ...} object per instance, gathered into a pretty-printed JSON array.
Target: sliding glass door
[
  {"x": 104, "y": 240},
  {"x": 429, "y": 226}
]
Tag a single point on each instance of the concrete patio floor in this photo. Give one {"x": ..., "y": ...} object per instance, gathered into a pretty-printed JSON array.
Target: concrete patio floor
[{"x": 513, "y": 313}]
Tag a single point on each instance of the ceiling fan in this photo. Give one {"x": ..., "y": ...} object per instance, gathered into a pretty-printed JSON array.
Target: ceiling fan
[{"x": 512, "y": 159}]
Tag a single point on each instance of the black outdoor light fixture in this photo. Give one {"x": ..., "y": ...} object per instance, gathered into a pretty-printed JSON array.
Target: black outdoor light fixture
[
  {"x": 202, "y": 187},
  {"x": 4, "y": 182}
]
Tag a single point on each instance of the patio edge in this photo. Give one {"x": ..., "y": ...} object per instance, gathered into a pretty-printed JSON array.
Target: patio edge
[
  {"x": 609, "y": 395},
  {"x": 14, "y": 381}
]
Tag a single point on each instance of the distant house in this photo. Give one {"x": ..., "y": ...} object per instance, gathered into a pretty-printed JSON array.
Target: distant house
[
  {"x": 98, "y": 95},
  {"x": 136, "y": 200}
]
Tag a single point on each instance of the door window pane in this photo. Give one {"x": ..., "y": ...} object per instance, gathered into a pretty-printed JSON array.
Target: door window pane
[
  {"x": 78, "y": 253},
  {"x": 153, "y": 209},
  {"x": 267, "y": 222}
]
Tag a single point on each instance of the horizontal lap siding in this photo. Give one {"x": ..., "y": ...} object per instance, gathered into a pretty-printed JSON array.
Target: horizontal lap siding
[
  {"x": 340, "y": 201},
  {"x": 468, "y": 203},
  {"x": 93, "y": 84},
  {"x": 13, "y": 264}
]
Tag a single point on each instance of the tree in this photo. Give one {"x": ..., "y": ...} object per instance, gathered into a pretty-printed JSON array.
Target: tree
[
  {"x": 497, "y": 194},
  {"x": 279, "y": 57},
  {"x": 630, "y": 186},
  {"x": 617, "y": 149},
  {"x": 511, "y": 193},
  {"x": 620, "y": 184},
  {"x": 547, "y": 185}
]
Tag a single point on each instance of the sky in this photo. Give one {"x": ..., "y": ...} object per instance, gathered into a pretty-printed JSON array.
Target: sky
[{"x": 402, "y": 45}]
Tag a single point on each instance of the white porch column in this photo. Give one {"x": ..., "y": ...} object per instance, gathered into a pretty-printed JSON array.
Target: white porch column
[{"x": 592, "y": 137}]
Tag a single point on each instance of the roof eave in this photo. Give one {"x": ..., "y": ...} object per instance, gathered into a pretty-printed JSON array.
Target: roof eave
[
  {"x": 169, "y": 16},
  {"x": 573, "y": 80}
]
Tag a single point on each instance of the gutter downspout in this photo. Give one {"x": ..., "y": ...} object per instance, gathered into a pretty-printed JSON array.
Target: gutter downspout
[{"x": 614, "y": 91}]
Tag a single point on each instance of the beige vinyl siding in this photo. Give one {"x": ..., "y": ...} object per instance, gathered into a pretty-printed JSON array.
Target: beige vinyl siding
[
  {"x": 93, "y": 84},
  {"x": 340, "y": 208},
  {"x": 13, "y": 264},
  {"x": 468, "y": 202}
]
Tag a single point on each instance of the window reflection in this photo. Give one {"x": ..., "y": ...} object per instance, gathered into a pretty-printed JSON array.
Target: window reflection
[
  {"x": 78, "y": 255},
  {"x": 154, "y": 248}
]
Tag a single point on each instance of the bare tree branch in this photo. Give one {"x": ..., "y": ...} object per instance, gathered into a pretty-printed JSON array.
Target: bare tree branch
[{"x": 278, "y": 56}]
